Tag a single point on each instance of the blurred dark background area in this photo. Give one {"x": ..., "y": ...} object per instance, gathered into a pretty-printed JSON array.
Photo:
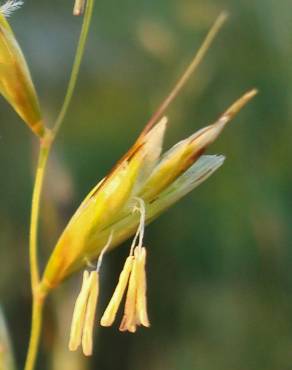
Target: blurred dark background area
[{"x": 219, "y": 267}]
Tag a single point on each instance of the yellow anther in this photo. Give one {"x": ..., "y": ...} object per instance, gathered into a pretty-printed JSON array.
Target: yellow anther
[
  {"x": 79, "y": 314},
  {"x": 84, "y": 313},
  {"x": 90, "y": 314},
  {"x": 141, "y": 299},
  {"x": 110, "y": 313},
  {"x": 128, "y": 321}
]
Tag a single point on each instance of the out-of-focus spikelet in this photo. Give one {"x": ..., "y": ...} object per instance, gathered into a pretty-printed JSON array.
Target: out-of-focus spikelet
[{"x": 15, "y": 81}]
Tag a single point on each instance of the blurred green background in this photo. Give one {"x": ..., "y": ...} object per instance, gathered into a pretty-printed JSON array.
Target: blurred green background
[{"x": 219, "y": 268}]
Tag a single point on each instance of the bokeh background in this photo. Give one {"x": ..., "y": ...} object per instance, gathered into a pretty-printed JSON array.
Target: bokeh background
[{"x": 219, "y": 269}]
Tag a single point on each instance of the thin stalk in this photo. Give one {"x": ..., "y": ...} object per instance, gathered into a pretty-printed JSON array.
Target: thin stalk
[
  {"x": 37, "y": 296},
  {"x": 36, "y": 324},
  {"x": 199, "y": 56},
  {"x": 45, "y": 148},
  {"x": 76, "y": 65},
  {"x": 44, "y": 151}
]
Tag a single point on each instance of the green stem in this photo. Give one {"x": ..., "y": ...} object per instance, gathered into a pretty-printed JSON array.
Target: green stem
[
  {"x": 44, "y": 151},
  {"x": 38, "y": 297},
  {"x": 45, "y": 148},
  {"x": 76, "y": 65},
  {"x": 36, "y": 324}
]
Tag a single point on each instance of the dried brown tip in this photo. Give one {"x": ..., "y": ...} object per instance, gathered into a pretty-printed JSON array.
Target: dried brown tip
[{"x": 79, "y": 7}]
